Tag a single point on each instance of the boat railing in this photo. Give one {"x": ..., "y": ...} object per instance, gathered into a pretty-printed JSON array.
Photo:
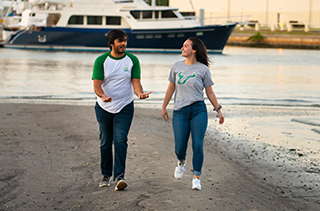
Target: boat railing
[{"x": 225, "y": 19}]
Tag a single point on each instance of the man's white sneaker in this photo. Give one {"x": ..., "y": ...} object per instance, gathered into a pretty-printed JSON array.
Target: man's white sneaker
[
  {"x": 105, "y": 182},
  {"x": 179, "y": 170},
  {"x": 196, "y": 184}
]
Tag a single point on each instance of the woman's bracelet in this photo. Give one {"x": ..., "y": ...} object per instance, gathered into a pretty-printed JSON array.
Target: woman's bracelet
[{"x": 218, "y": 108}]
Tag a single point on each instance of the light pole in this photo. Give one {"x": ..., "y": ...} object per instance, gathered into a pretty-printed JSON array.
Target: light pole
[
  {"x": 267, "y": 11},
  {"x": 228, "y": 10},
  {"x": 310, "y": 8}
]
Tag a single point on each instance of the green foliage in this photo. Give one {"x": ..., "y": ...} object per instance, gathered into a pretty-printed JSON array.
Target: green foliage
[
  {"x": 256, "y": 38},
  {"x": 159, "y": 2}
]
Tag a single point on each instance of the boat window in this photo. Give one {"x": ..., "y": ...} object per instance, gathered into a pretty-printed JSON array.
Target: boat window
[
  {"x": 149, "y": 36},
  {"x": 135, "y": 14},
  {"x": 146, "y": 14},
  {"x": 180, "y": 35},
  {"x": 171, "y": 35},
  {"x": 53, "y": 19},
  {"x": 76, "y": 19},
  {"x": 156, "y": 14},
  {"x": 113, "y": 20},
  {"x": 140, "y": 36},
  {"x": 94, "y": 20},
  {"x": 157, "y": 36},
  {"x": 199, "y": 34},
  {"x": 168, "y": 14}
]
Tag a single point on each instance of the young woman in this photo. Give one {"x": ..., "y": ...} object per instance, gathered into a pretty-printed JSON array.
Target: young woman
[{"x": 188, "y": 79}]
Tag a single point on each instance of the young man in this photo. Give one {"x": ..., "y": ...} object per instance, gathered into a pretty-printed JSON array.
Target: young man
[{"x": 114, "y": 74}]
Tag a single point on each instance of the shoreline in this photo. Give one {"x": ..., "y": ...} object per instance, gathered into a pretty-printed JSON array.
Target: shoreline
[
  {"x": 50, "y": 159},
  {"x": 276, "y": 40}
]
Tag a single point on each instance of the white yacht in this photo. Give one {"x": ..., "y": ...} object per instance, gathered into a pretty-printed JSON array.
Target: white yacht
[{"x": 83, "y": 25}]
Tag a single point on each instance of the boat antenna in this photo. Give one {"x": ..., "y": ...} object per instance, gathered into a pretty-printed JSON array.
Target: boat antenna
[{"x": 192, "y": 6}]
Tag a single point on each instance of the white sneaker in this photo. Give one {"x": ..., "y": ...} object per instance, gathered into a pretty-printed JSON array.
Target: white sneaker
[
  {"x": 196, "y": 184},
  {"x": 120, "y": 184},
  {"x": 105, "y": 182},
  {"x": 179, "y": 170}
]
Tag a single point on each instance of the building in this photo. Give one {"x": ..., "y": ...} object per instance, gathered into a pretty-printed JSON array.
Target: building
[{"x": 267, "y": 13}]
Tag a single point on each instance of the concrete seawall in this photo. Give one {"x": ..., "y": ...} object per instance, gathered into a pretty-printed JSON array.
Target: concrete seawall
[{"x": 276, "y": 40}]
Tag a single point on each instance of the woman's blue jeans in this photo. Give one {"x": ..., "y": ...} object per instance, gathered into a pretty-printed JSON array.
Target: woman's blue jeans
[
  {"x": 190, "y": 119},
  {"x": 114, "y": 128}
]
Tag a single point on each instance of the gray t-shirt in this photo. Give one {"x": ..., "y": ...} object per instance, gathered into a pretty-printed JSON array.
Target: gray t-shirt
[{"x": 190, "y": 80}]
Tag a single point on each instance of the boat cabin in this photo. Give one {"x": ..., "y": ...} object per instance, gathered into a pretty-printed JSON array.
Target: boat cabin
[
  {"x": 153, "y": 14},
  {"x": 51, "y": 19}
]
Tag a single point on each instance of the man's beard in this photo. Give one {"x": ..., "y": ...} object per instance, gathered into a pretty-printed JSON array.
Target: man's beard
[{"x": 120, "y": 50}]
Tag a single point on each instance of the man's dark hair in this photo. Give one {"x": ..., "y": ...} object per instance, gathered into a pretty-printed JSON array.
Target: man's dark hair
[{"x": 116, "y": 34}]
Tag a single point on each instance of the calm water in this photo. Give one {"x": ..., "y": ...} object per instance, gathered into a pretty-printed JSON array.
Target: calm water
[{"x": 242, "y": 76}]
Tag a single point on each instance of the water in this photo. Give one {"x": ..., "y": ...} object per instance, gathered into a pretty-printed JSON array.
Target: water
[
  {"x": 242, "y": 76},
  {"x": 248, "y": 78}
]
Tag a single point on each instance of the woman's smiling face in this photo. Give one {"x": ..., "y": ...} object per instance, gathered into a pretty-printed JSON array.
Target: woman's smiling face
[{"x": 187, "y": 50}]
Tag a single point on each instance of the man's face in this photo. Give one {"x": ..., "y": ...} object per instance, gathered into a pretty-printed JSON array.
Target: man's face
[{"x": 119, "y": 46}]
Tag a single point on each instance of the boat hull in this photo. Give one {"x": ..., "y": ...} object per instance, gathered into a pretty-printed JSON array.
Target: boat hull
[{"x": 168, "y": 40}]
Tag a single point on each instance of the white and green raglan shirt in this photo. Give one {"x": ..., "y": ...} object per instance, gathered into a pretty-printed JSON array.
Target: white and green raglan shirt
[{"x": 116, "y": 75}]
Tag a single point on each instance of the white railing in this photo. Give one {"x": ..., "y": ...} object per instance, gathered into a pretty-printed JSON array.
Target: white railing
[
  {"x": 224, "y": 19},
  {"x": 245, "y": 25},
  {"x": 289, "y": 27}
]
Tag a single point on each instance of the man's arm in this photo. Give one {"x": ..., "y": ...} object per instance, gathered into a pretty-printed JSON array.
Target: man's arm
[
  {"x": 99, "y": 91},
  {"x": 138, "y": 90}
]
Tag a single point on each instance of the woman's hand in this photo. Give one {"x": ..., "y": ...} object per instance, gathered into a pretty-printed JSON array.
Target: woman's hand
[
  {"x": 221, "y": 117},
  {"x": 165, "y": 114}
]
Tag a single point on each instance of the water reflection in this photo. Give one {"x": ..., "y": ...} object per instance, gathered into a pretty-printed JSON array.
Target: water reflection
[{"x": 280, "y": 76}]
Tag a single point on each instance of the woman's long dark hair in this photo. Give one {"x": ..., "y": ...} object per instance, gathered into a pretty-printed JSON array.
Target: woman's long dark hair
[{"x": 201, "y": 50}]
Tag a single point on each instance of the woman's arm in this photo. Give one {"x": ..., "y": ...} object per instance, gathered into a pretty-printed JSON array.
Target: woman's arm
[
  {"x": 213, "y": 99},
  {"x": 170, "y": 90}
]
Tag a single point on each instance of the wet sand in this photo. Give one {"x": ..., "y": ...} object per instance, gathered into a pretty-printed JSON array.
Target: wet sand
[{"x": 49, "y": 158}]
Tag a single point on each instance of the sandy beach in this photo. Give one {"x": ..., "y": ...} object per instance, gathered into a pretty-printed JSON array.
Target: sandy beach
[{"x": 49, "y": 158}]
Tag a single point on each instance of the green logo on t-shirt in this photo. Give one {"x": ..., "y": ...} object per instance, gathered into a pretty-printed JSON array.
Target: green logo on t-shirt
[
  {"x": 125, "y": 69},
  {"x": 183, "y": 79}
]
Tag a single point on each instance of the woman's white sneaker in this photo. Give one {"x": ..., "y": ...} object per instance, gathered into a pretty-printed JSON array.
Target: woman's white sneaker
[
  {"x": 196, "y": 184},
  {"x": 179, "y": 170}
]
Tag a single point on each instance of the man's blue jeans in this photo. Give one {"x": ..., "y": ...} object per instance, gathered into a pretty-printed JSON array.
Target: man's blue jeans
[
  {"x": 114, "y": 128},
  {"x": 190, "y": 119}
]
